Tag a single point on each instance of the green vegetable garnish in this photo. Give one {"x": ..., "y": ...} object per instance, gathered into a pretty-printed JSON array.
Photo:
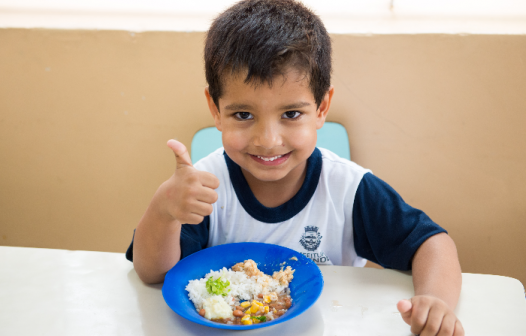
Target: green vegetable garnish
[
  {"x": 217, "y": 287},
  {"x": 260, "y": 318}
]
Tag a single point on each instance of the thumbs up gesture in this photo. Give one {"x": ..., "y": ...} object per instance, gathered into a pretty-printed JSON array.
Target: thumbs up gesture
[{"x": 189, "y": 194}]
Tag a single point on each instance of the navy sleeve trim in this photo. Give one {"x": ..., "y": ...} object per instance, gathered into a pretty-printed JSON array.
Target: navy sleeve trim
[
  {"x": 387, "y": 230},
  {"x": 193, "y": 238}
]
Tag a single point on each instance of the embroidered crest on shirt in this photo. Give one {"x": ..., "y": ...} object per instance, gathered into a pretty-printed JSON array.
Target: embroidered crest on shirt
[{"x": 311, "y": 239}]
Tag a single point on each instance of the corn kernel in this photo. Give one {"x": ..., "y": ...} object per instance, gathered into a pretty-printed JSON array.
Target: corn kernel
[
  {"x": 256, "y": 321},
  {"x": 266, "y": 309},
  {"x": 245, "y": 304},
  {"x": 257, "y": 302},
  {"x": 248, "y": 322},
  {"x": 254, "y": 308},
  {"x": 245, "y": 317},
  {"x": 266, "y": 299}
]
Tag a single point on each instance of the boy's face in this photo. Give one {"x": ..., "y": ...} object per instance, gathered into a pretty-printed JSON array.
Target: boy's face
[{"x": 270, "y": 131}]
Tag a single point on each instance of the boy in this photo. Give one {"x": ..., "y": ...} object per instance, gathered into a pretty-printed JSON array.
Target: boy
[{"x": 268, "y": 66}]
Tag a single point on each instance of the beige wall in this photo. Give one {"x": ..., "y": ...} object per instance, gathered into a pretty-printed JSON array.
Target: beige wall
[{"x": 85, "y": 115}]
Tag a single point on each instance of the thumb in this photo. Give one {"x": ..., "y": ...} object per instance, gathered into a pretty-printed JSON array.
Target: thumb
[
  {"x": 182, "y": 157},
  {"x": 405, "y": 307}
]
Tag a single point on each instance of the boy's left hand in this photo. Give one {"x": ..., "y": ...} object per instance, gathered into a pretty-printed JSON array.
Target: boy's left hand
[{"x": 428, "y": 315}]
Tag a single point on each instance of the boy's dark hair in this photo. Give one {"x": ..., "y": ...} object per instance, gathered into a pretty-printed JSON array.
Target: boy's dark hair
[{"x": 264, "y": 38}]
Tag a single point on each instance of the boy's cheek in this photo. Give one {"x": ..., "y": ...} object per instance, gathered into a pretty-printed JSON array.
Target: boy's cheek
[
  {"x": 236, "y": 141},
  {"x": 301, "y": 138}
]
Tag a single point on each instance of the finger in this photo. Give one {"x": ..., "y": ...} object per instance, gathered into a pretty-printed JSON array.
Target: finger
[
  {"x": 192, "y": 219},
  {"x": 405, "y": 309},
  {"x": 182, "y": 157},
  {"x": 201, "y": 209},
  {"x": 448, "y": 325},
  {"x": 208, "y": 180},
  {"x": 433, "y": 322},
  {"x": 207, "y": 195},
  {"x": 195, "y": 213},
  {"x": 459, "y": 329},
  {"x": 419, "y": 317}
]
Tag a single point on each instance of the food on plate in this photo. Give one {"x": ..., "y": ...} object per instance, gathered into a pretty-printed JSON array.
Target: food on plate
[
  {"x": 216, "y": 308},
  {"x": 242, "y": 295}
]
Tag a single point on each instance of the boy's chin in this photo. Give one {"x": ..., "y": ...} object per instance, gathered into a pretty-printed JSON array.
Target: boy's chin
[{"x": 265, "y": 176}]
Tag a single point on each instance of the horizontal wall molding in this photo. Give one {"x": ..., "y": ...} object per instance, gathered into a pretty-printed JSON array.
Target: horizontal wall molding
[{"x": 340, "y": 17}]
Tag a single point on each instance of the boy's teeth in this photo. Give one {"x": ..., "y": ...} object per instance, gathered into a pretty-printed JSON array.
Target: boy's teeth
[{"x": 270, "y": 158}]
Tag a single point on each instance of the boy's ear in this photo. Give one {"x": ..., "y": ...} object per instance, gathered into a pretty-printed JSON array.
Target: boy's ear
[
  {"x": 214, "y": 110},
  {"x": 324, "y": 108}
]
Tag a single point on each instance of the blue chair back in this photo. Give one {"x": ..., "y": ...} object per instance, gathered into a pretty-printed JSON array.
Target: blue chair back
[{"x": 332, "y": 136}]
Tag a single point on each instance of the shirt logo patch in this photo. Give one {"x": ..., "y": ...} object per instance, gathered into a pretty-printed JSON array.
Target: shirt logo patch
[{"x": 311, "y": 239}]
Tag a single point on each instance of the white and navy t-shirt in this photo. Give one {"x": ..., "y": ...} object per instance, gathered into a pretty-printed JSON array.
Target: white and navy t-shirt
[{"x": 342, "y": 215}]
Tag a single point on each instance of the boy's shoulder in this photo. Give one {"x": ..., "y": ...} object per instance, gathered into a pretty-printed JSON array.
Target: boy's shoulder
[{"x": 334, "y": 164}]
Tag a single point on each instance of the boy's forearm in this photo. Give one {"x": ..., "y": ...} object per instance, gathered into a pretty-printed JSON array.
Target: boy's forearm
[
  {"x": 436, "y": 269},
  {"x": 156, "y": 247}
]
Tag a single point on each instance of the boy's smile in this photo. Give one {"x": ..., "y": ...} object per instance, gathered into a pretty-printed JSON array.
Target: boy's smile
[{"x": 270, "y": 131}]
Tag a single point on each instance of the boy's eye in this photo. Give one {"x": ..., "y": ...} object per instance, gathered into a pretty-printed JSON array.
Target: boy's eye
[
  {"x": 243, "y": 115},
  {"x": 291, "y": 114}
]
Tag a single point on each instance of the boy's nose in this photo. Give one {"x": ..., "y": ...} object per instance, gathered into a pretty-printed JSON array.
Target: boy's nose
[{"x": 268, "y": 136}]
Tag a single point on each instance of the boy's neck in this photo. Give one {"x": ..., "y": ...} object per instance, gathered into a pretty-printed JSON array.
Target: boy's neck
[{"x": 275, "y": 193}]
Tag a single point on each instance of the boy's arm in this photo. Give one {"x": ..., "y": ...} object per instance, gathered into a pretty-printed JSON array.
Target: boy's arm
[
  {"x": 156, "y": 247},
  {"x": 436, "y": 269},
  {"x": 389, "y": 232},
  {"x": 186, "y": 197},
  {"x": 437, "y": 280}
]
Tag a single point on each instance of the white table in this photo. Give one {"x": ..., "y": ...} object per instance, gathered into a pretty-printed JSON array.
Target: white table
[{"x": 59, "y": 292}]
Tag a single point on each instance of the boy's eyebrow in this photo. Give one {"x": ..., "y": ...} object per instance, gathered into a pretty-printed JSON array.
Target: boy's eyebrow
[
  {"x": 237, "y": 107},
  {"x": 295, "y": 105}
]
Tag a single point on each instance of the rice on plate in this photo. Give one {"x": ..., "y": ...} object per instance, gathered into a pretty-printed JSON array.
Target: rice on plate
[{"x": 242, "y": 294}]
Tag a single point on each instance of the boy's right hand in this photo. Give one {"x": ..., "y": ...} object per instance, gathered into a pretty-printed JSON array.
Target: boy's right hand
[{"x": 188, "y": 195}]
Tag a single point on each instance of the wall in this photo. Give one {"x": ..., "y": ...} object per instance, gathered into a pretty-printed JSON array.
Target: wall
[{"x": 85, "y": 115}]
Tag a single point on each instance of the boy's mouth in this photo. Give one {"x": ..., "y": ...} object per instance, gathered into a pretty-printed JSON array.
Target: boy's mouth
[{"x": 271, "y": 160}]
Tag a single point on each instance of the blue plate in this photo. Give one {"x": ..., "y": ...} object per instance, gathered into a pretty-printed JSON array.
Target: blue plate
[{"x": 305, "y": 288}]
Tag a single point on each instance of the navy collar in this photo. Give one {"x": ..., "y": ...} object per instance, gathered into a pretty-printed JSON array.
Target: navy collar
[{"x": 285, "y": 211}]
